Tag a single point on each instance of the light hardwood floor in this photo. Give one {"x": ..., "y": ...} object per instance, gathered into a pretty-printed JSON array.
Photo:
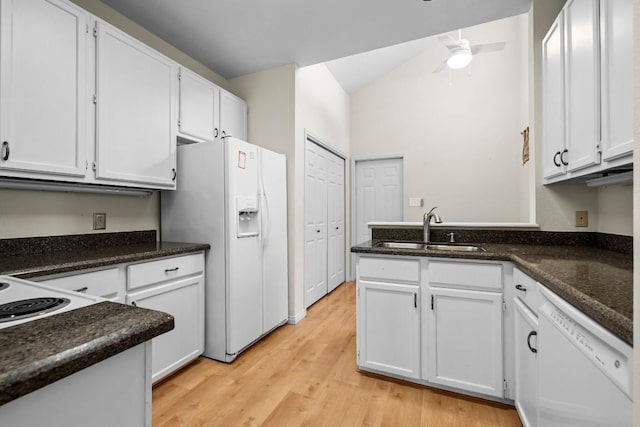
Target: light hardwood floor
[{"x": 306, "y": 375}]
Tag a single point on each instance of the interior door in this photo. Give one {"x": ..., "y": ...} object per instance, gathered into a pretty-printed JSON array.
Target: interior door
[
  {"x": 335, "y": 200},
  {"x": 315, "y": 213},
  {"x": 379, "y": 193}
]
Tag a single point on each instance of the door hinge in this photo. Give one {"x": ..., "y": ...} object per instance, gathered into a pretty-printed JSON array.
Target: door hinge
[
  {"x": 95, "y": 98},
  {"x": 432, "y": 304},
  {"x": 95, "y": 30},
  {"x": 179, "y": 74},
  {"x": 504, "y": 385},
  {"x": 504, "y": 306},
  {"x": 86, "y": 29},
  {"x": 179, "y": 123}
]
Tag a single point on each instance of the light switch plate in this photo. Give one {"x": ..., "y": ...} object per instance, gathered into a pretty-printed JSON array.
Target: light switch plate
[
  {"x": 99, "y": 221},
  {"x": 582, "y": 218},
  {"x": 415, "y": 202}
]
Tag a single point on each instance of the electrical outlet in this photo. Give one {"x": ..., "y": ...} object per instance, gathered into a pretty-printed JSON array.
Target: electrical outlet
[
  {"x": 99, "y": 221},
  {"x": 415, "y": 201},
  {"x": 582, "y": 218}
]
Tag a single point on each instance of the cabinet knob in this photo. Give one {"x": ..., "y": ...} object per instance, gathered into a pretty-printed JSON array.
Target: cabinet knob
[
  {"x": 5, "y": 150},
  {"x": 317, "y": 231},
  {"x": 555, "y": 159},
  {"x": 133, "y": 303}
]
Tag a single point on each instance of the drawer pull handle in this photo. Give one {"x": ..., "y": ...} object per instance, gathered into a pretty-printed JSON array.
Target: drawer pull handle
[
  {"x": 82, "y": 289},
  {"x": 169, "y": 270},
  {"x": 521, "y": 288}
]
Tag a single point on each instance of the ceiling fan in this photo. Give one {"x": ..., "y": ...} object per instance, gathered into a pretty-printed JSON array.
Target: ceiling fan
[{"x": 461, "y": 52}]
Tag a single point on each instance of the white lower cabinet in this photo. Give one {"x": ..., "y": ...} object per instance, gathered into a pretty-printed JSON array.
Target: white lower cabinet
[
  {"x": 183, "y": 300},
  {"x": 464, "y": 340},
  {"x": 178, "y": 291},
  {"x": 389, "y": 328},
  {"x": 526, "y": 363}
]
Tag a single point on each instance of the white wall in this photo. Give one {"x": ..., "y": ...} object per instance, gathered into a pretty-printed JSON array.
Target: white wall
[{"x": 461, "y": 141}]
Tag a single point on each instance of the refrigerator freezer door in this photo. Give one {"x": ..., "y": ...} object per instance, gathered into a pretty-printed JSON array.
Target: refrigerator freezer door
[
  {"x": 273, "y": 186},
  {"x": 244, "y": 293}
]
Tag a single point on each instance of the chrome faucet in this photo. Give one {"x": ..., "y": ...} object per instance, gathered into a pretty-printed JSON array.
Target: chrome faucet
[{"x": 426, "y": 223}]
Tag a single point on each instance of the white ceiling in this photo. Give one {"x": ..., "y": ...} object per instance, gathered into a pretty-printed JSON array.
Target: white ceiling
[{"x": 237, "y": 37}]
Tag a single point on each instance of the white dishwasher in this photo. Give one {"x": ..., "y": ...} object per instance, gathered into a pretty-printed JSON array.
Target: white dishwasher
[{"x": 585, "y": 371}]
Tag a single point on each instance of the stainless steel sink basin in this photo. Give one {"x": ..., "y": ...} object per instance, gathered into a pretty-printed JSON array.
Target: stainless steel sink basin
[
  {"x": 401, "y": 245},
  {"x": 430, "y": 246},
  {"x": 458, "y": 248}
]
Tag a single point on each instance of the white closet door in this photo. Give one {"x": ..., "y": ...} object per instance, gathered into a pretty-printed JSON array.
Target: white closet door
[
  {"x": 335, "y": 200},
  {"x": 315, "y": 233},
  {"x": 379, "y": 193}
]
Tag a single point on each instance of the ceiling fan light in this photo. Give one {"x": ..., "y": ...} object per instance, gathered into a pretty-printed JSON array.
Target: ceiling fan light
[{"x": 459, "y": 58}]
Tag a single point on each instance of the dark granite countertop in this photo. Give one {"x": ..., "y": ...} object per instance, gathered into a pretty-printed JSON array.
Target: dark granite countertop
[
  {"x": 598, "y": 282},
  {"x": 37, "y": 353},
  {"x": 32, "y": 257}
]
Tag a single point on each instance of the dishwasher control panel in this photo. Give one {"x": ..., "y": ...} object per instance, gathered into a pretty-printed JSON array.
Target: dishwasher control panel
[{"x": 615, "y": 364}]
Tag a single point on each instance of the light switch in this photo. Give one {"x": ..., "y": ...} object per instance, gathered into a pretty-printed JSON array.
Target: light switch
[{"x": 415, "y": 202}]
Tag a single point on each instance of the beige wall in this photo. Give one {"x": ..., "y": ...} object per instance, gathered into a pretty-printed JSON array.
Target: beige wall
[
  {"x": 43, "y": 213},
  {"x": 461, "y": 139},
  {"x": 271, "y": 98}
]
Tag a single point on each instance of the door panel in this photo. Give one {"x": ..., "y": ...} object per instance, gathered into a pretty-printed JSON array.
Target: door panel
[
  {"x": 335, "y": 200},
  {"x": 379, "y": 193},
  {"x": 315, "y": 253}
]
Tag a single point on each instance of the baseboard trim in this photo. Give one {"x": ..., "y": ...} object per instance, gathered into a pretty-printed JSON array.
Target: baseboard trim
[{"x": 298, "y": 317}]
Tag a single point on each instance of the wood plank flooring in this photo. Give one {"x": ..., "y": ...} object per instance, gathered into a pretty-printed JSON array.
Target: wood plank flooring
[{"x": 306, "y": 375}]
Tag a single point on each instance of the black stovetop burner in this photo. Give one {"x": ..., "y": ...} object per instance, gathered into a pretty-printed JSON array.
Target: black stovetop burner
[{"x": 16, "y": 310}]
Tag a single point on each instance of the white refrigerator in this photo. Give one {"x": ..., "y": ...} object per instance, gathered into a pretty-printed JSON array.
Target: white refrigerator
[{"x": 232, "y": 195}]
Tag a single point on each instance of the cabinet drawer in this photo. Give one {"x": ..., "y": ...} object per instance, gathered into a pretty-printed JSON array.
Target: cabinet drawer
[
  {"x": 139, "y": 275},
  {"x": 103, "y": 283},
  {"x": 462, "y": 274},
  {"x": 526, "y": 289},
  {"x": 402, "y": 269}
]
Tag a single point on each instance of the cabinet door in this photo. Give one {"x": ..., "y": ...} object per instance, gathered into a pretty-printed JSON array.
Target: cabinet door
[
  {"x": 233, "y": 116},
  {"x": 616, "y": 21},
  {"x": 582, "y": 71},
  {"x": 184, "y": 300},
  {"x": 389, "y": 328},
  {"x": 136, "y": 126},
  {"x": 465, "y": 340},
  {"x": 198, "y": 107},
  {"x": 526, "y": 364},
  {"x": 553, "y": 118},
  {"x": 43, "y": 87}
]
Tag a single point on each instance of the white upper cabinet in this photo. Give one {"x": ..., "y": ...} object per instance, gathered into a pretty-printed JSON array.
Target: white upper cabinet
[
  {"x": 616, "y": 26},
  {"x": 587, "y": 85},
  {"x": 199, "y": 108},
  {"x": 582, "y": 85},
  {"x": 43, "y": 79},
  {"x": 553, "y": 139},
  {"x": 233, "y": 116},
  {"x": 135, "y": 111}
]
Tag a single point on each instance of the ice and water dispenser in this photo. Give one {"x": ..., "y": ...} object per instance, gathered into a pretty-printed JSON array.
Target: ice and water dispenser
[{"x": 247, "y": 216}]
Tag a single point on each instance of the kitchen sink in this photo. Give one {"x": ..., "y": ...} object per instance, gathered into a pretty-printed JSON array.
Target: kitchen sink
[
  {"x": 431, "y": 246},
  {"x": 459, "y": 248},
  {"x": 401, "y": 245}
]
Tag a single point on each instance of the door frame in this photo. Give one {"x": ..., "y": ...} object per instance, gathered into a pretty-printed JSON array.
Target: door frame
[
  {"x": 354, "y": 160},
  {"x": 310, "y": 137}
]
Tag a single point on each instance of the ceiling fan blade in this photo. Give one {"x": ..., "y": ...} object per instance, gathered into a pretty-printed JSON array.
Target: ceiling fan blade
[
  {"x": 440, "y": 67},
  {"x": 487, "y": 47},
  {"x": 448, "y": 41}
]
